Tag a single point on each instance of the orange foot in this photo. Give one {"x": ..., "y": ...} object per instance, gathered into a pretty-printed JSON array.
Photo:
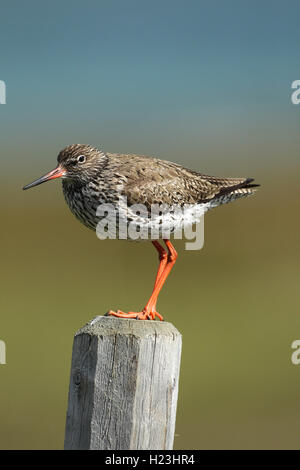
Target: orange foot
[{"x": 144, "y": 315}]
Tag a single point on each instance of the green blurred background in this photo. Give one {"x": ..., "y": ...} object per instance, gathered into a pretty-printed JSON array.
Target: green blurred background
[{"x": 205, "y": 84}]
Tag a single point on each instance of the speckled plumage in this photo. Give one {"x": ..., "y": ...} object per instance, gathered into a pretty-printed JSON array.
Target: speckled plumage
[
  {"x": 137, "y": 179},
  {"x": 154, "y": 197}
]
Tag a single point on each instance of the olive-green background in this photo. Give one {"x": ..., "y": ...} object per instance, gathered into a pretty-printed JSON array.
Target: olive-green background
[{"x": 209, "y": 87}]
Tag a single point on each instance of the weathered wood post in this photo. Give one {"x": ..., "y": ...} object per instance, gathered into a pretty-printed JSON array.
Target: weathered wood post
[{"x": 124, "y": 385}]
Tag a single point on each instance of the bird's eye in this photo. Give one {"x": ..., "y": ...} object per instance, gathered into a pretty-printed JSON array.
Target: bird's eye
[{"x": 81, "y": 159}]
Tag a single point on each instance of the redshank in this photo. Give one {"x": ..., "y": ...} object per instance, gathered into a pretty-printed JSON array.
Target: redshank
[{"x": 91, "y": 177}]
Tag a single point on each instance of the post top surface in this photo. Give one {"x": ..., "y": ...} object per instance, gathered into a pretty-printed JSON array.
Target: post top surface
[{"x": 105, "y": 326}]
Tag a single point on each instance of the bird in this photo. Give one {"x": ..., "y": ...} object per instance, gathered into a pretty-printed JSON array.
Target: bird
[{"x": 92, "y": 177}]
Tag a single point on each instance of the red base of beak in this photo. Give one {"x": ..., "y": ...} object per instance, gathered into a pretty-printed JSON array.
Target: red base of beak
[{"x": 56, "y": 173}]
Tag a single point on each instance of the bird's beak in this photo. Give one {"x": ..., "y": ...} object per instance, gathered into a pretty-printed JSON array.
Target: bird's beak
[{"x": 56, "y": 173}]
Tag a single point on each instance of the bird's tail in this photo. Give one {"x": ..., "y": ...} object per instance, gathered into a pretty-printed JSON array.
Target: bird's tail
[{"x": 231, "y": 189}]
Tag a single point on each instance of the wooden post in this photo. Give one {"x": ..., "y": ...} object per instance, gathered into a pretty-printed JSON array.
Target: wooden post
[{"x": 124, "y": 385}]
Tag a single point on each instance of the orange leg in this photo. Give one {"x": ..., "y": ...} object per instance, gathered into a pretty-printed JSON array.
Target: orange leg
[
  {"x": 163, "y": 259},
  {"x": 167, "y": 262},
  {"x": 172, "y": 256}
]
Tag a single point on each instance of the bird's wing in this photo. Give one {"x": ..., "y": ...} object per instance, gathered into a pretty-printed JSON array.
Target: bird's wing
[{"x": 152, "y": 181}]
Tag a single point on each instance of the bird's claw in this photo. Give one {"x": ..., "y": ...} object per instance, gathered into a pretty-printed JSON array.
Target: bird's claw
[{"x": 143, "y": 315}]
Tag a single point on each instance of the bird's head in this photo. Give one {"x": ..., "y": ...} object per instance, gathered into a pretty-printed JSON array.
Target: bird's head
[{"x": 75, "y": 163}]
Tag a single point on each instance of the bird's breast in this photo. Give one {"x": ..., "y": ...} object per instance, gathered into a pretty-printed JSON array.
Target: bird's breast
[{"x": 83, "y": 202}]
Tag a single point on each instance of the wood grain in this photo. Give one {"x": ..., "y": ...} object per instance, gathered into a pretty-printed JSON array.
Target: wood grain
[{"x": 124, "y": 385}]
